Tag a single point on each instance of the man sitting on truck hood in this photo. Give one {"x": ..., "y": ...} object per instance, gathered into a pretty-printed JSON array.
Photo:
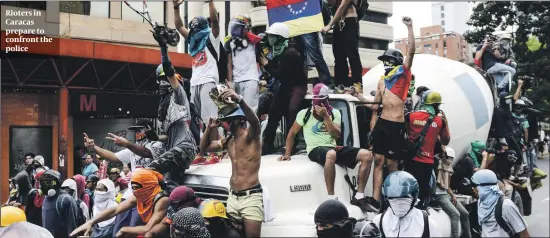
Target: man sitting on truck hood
[
  {"x": 321, "y": 127},
  {"x": 245, "y": 202}
]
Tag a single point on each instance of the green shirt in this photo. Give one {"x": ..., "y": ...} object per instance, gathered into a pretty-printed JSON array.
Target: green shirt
[
  {"x": 523, "y": 121},
  {"x": 315, "y": 131}
]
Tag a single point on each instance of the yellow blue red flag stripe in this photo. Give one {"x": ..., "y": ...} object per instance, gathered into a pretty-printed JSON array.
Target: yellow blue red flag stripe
[{"x": 301, "y": 16}]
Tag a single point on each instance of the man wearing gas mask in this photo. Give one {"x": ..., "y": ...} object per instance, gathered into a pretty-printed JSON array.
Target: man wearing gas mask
[
  {"x": 242, "y": 70},
  {"x": 332, "y": 220},
  {"x": 59, "y": 209},
  {"x": 402, "y": 219},
  {"x": 285, "y": 64},
  {"x": 203, "y": 47}
]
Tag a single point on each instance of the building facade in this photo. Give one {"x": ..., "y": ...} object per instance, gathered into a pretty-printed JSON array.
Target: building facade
[
  {"x": 96, "y": 76},
  {"x": 434, "y": 40},
  {"x": 452, "y": 16},
  {"x": 375, "y": 32}
]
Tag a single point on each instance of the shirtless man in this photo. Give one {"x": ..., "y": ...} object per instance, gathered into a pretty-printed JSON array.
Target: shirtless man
[
  {"x": 245, "y": 202},
  {"x": 345, "y": 42},
  {"x": 388, "y": 132}
]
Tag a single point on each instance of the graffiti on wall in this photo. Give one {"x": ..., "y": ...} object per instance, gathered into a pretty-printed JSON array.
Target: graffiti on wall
[{"x": 26, "y": 139}]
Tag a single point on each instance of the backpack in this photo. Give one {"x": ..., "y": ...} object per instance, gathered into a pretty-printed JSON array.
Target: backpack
[
  {"x": 80, "y": 219},
  {"x": 425, "y": 234},
  {"x": 220, "y": 60},
  {"x": 500, "y": 220}
]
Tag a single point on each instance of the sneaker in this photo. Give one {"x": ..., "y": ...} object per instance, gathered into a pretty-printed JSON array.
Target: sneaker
[
  {"x": 212, "y": 159},
  {"x": 198, "y": 160},
  {"x": 539, "y": 174},
  {"x": 367, "y": 204}
]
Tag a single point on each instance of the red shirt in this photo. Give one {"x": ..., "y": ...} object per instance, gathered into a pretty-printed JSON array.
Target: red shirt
[{"x": 417, "y": 120}]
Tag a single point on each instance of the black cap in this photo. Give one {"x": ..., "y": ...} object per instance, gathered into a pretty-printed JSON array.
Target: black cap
[
  {"x": 330, "y": 212},
  {"x": 92, "y": 178},
  {"x": 141, "y": 123}
]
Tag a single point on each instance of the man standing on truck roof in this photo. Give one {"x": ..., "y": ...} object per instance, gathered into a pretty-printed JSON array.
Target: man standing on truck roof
[
  {"x": 245, "y": 202},
  {"x": 388, "y": 131},
  {"x": 425, "y": 126},
  {"x": 321, "y": 127}
]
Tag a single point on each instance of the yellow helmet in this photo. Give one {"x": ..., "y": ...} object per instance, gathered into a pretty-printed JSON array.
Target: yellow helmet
[
  {"x": 213, "y": 208},
  {"x": 11, "y": 215},
  {"x": 433, "y": 98}
]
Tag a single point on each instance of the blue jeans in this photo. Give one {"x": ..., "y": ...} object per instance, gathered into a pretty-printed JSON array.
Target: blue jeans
[
  {"x": 129, "y": 218},
  {"x": 314, "y": 51},
  {"x": 502, "y": 74}
]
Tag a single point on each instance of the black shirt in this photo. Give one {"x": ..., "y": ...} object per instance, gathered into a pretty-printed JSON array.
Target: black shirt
[
  {"x": 288, "y": 68},
  {"x": 463, "y": 169},
  {"x": 502, "y": 166},
  {"x": 488, "y": 59}
]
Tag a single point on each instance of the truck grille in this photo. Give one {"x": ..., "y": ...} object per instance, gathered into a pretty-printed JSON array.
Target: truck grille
[{"x": 210, "y": 192}]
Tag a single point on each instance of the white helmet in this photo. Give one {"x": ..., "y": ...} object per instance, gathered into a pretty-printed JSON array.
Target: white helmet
[
  {"x": 279, "y": 29},
  {"x": 450, "y": 152},
  {"x": 520, "y": 102}
]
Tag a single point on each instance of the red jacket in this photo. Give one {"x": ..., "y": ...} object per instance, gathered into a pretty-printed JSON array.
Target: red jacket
[{"x": 439, "y": 127}]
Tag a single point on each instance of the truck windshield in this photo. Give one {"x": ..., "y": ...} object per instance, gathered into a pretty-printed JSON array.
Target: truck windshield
[{"x": 346, "y": 139}]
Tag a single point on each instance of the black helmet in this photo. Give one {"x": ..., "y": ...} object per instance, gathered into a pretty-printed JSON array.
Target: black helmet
[
  {"x": 330, "y": 212},
  {"x": 92, "y": 178},
  {"x": 391, "y": 54}
]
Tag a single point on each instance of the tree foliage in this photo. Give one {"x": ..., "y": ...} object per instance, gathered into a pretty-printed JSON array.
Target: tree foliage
[{"x": 530, "y": 22}]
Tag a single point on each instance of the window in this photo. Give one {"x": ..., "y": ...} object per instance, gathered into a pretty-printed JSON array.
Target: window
[
  {"x": 99, "y": 9},
  {"x": 75, "y": 7},
  {"x": 437, "y": 52},
  {"x": 442, "y": 8},
  {"x": 259, "y": 3},
  {"x": 377, "y": 17},
  {"x": 38, "y": 5},
  {"x": 375, "y": 44},
  {"x": 428, "y": 52},
  {"x": 457, "y": 45},
  {"x": 417, "y": 39},
  {"x": 435, "y": 37},
  {"x": 444, "y": 43},
  {"x": 442, "y": 15},
  {"x": 442, "y": 22},
  {"x": 445, "y": 51},
  {"x": 436, "y": 45},
  {"x": 427, "y": 47}
]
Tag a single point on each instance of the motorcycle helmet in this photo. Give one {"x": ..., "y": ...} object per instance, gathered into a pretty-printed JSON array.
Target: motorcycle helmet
[
  {"x": 10, "y": 215},
  {"x": 399, "y": 184},
  {"x": 391, "y": 58},
  {"x": 484, "y": 177}
]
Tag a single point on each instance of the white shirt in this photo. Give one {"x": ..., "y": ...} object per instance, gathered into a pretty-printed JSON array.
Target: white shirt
[
  {"x": 244, "y": 64},
  {"x": 126, "y": 156},
  {"x": 511, "y": 215},
  {"x": 411, "y": 225},
  {"x": 205, "y": 66}
]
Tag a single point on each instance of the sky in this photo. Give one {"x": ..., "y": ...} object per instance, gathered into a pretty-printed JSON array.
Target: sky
[{"x": 420, "y": 12}]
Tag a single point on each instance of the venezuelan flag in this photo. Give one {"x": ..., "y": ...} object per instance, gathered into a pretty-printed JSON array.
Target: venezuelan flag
[{"x": 301, "y": 16}]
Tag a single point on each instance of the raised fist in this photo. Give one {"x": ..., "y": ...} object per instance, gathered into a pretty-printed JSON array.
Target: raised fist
[{"x": 407, "y": 21}]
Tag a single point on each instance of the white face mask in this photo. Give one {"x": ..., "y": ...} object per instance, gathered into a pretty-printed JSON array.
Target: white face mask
[
  {"x": 101, "y": 196},
  {"x": 400, "y": 206}
]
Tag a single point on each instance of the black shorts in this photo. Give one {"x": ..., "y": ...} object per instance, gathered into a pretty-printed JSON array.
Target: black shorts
[
  {"x": 388, "y": 138},
  {"x": 346, "y": 156}
]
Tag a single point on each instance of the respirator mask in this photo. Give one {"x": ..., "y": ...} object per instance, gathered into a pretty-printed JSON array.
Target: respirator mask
[{"x": 49, "y": 185}]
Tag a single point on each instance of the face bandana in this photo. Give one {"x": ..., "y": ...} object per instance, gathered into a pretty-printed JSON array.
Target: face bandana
[
  {"x": 400, "y": 206},
  {"x": 145, "y": 195},
  {"x": 198, "y": 35},
  {"x": 320, "y": 97},
  {"x": 476, "y": 150},
  {"x": 189, "y": 223},
  {"x": 278, "y": 44},
  {"x": 104, "y": 200},
  {"x": 488, "y": 198}
]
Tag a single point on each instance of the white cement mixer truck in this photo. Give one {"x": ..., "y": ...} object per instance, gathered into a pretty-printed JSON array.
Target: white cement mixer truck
[{"x": 294, "y": 189}]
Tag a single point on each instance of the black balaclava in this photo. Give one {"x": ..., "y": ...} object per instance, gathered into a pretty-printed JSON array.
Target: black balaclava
[
  {"x": 217, "y": 227},
  {"x": 335, "y": 213},
  {"x": 165, "y": 92}
]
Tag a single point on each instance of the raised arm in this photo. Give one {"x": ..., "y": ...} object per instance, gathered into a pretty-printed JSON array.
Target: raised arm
[
  {"x": 340, "y": 13},
  {"x": 412, "y": 47},
  {"x": 105, "y": 154},
  {"x": 517, "y": 94},
  {"x": 255, "y": 128},
  {"x": 214, "y": 22},
  {"x": 177, "y": 19},
  {"x": 160, "y": 210},
  {"x": 207, "y": 144},
  {"x": 123, "y": 142}
]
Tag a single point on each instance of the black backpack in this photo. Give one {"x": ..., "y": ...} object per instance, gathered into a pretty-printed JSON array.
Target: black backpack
[
  {"x": 221, "y": 60},
  {"x": 501, "y": 222}
]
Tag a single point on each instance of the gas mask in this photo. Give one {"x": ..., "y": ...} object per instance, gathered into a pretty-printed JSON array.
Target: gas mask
[
  {"x": 237, "y": 29},
  {"x": 49, "y": 186},
  {"x": 389, "y": 65},
  {"x": 273, "y": 39},
  {"x": 164, "y": 87}
]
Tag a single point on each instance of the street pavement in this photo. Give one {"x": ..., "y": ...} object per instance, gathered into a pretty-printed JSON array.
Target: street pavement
[{"x": 539, "y": 220}]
